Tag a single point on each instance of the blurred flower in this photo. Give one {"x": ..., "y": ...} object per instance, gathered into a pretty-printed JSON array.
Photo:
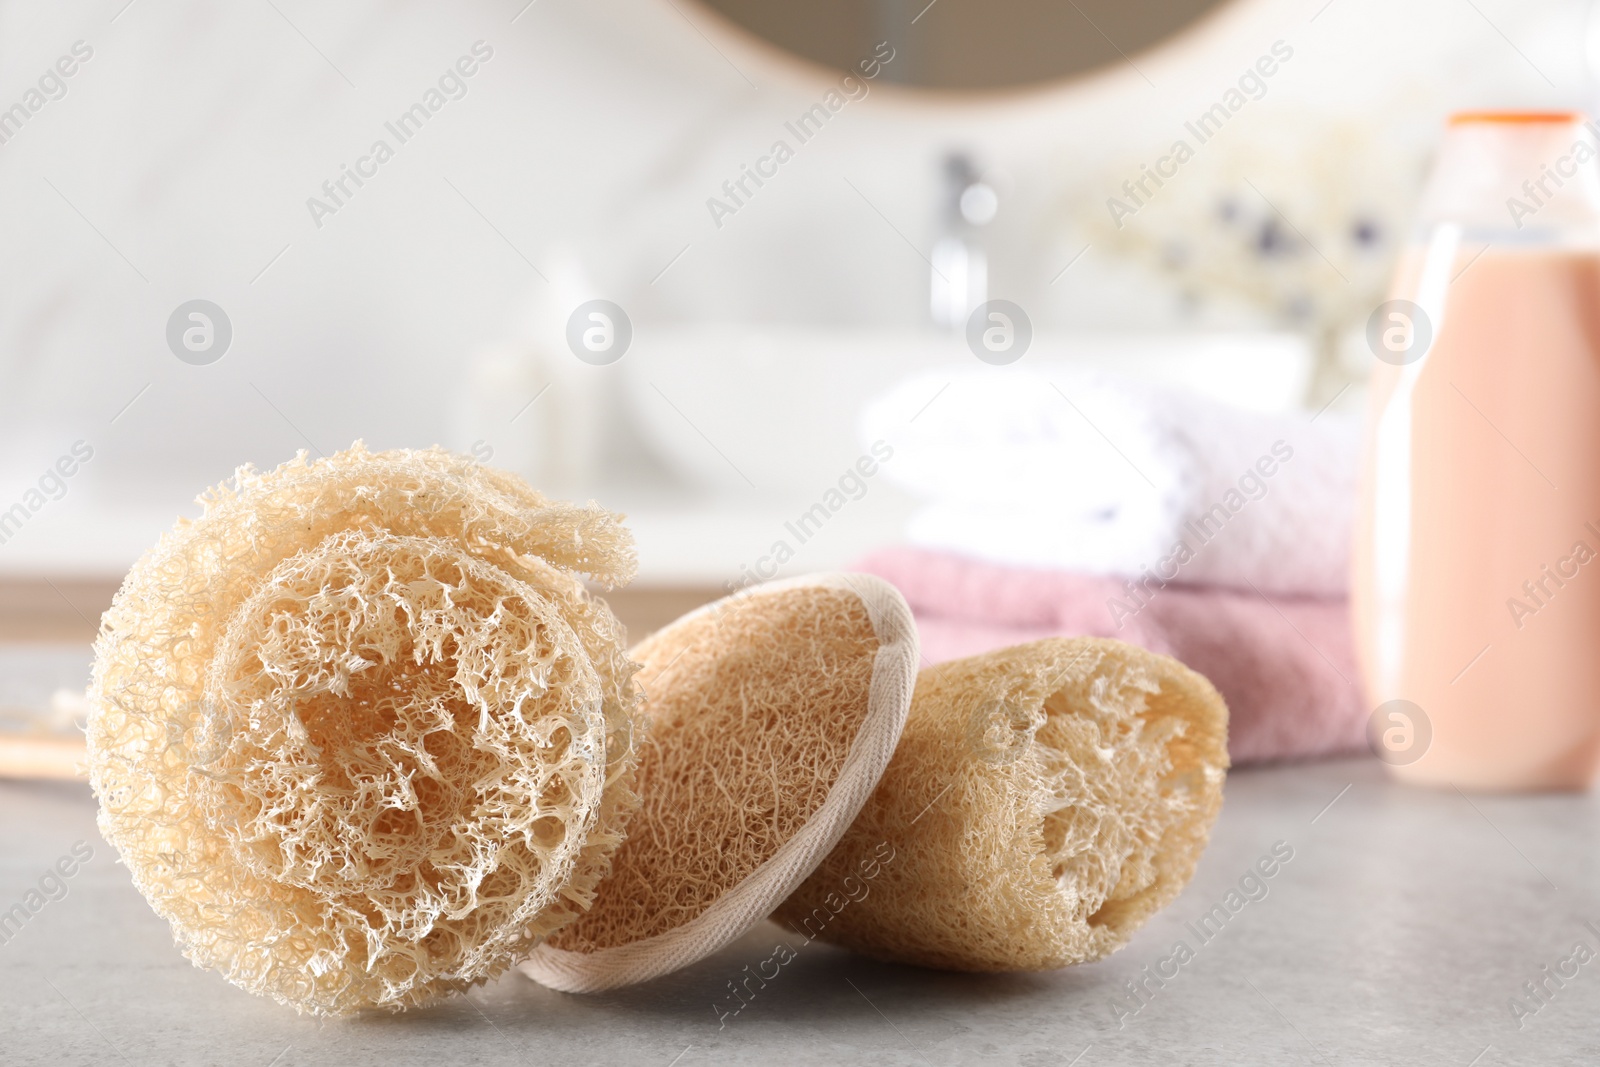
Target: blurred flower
[{"x": 1292, "y": 221}]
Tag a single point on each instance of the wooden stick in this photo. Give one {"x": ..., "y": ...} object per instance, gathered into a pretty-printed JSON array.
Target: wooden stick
[{"x": 42, "y": 757}]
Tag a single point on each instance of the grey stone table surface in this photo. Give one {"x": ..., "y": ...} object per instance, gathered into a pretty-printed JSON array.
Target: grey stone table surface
[{"x": 1401, "y": 930}]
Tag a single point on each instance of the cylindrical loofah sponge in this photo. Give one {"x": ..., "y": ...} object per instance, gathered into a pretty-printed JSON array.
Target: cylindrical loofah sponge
[
  {"x": 360, "y": 732},
  {"x": 772, "y": 716},
  {"x": 1044, "y": 802}
]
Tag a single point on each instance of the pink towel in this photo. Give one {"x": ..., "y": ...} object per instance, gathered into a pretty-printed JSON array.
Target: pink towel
[{"x": 1284, "y": 665}]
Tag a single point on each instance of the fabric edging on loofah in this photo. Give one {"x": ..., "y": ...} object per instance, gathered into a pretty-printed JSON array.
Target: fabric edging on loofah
[{"x": 893, "y": 677}]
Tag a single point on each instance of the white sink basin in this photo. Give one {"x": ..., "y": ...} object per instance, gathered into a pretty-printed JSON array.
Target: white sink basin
[{"x": 772, "y": 410}]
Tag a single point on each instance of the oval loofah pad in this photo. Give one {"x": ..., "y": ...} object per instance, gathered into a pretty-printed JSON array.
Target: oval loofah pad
[
  {"x": 772, "y": 714},
  {"x": 359, "y": 731},
  {"x": 1045, "y": 801}
]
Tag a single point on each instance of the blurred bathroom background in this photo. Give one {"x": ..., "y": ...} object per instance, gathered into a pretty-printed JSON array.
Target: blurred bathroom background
[{"x": 601, "y": 150}]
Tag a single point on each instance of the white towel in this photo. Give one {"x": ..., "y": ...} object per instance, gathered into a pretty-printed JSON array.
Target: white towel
[{"x": 1086, "y": 473}]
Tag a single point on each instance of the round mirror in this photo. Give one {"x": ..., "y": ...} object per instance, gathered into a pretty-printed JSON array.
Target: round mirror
[{"x": 963, "y": 44}]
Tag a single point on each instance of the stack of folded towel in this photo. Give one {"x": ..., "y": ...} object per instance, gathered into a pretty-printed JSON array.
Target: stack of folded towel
[{"x": 1059, "y": 503}]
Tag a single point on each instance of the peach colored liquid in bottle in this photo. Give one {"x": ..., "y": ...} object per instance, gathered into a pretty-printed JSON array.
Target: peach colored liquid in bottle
[{"x": 1476, "y": 588}]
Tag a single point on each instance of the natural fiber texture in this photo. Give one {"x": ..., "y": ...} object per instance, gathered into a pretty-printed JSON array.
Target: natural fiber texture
[
  {"x": 1045, "y": 800},
  {"x": 772, "y": 715},
  {"x": 360, "y": 733}
]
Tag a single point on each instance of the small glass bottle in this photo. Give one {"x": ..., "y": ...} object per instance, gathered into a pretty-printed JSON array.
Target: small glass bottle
[{"x": 1476, "y": 570}]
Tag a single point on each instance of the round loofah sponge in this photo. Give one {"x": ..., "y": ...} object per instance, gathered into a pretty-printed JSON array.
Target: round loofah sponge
[
  {"x": 1045, "y": 801},
  {"x": 772, "y": 716},
  {"x": 360, "y": 732}
]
